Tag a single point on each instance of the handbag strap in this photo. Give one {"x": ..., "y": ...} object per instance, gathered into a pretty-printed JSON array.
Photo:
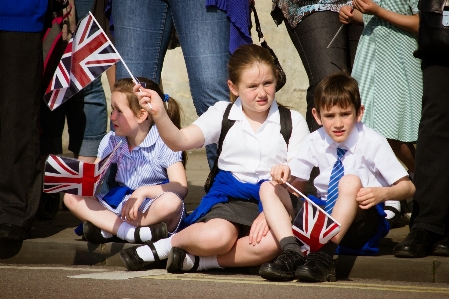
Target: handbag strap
[{"x": 262, "y": 40}]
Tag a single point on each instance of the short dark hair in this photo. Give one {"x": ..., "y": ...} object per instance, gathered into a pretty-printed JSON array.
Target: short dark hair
[{"x": 339, "y": 89}]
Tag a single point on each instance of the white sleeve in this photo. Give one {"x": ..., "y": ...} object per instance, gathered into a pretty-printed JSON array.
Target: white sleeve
[
  {"x": 210, "y": 122},
  {"x": 302, "y": 164},
  {"x": 299, "y": 131},
  {"x": 386, "y": 163}
]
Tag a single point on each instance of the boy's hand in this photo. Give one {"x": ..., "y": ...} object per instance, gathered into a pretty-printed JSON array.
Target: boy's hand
[
  {"x": 280, "y": 173},
  {"x": 149, "y": 100},
  {"x": 366, "y": 6},
  {"x": 346, "y": 14},
  {"x": 369, "y": 197},
  {"x": 259, "y": 229}
]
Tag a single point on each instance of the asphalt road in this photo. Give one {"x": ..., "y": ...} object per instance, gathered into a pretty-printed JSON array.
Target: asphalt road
[{"x": 55, "y": 281}]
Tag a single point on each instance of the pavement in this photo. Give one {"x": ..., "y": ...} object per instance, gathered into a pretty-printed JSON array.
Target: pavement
[{"x": 54, "y": 242}]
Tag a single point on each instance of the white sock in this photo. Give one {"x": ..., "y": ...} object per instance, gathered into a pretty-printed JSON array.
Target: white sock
[
  {"x": 126, "y": 232},
  {"x": 145, "y": 233},
  {"x": 394, "y": 204},
  {"x": 163, "y": 247},
  {"x": 208, "y": 262},
  {"x": 106, "y": 234},
  {"x": 188, "y": 263}
]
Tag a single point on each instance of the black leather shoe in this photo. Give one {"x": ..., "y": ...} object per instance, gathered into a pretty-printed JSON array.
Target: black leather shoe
[
  {"x": 176, "y": 259},
  {"x": 441, "y": 247},
  {"x": 92, "y": 234},
  {"x": 418, "y": 243},
  {"x": 319, "y": 267},
  {"x": 12, "y": 233},
  {"x": 133, "y": 261},
  {"x": 158, "y": 231},
  {"x": 284, "y": 266}
]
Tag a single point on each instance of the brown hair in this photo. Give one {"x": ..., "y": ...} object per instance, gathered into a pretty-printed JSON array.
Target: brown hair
[
  {"x": 245, "y": 57},
  {"x": 339, "y": 89},
  {"x": 174, "y": 111}
]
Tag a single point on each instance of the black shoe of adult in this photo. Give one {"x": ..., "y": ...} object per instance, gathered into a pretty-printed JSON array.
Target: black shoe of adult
[
  {"x": 12, "y": 233},
  {"x": 418, "y": 243},
  {"x": 284, "y": 266},
  {"x": 176, "y": 259},
  {"x": 133, "y": 261},
  {"x": 441, "y": 247},
  {"x": 158, "y": 231},
  {"x": 319, "y": 267}
]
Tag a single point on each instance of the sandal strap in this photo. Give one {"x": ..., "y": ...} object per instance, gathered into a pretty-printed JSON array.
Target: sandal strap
[
  {"x": 393, "y": 209},
  {"x": 196, "y": 264},
  {"x": 153, "y": 249},
  {"x": 137, "y": 236}
]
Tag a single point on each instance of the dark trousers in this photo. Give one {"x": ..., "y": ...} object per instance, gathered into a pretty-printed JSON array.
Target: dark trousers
[
  {"x": 311, "y": 38},
  {"x": 431, "y": 200},
  {"x": 20, "y": 96}
]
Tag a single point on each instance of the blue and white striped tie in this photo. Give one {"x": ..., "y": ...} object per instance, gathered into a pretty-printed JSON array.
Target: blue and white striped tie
[{"x": 337, "y": 172}]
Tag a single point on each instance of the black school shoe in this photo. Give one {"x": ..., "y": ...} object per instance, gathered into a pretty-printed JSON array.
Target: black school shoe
[
  {"x": 134, "y": 262},
  {"x": 92, "y": 234},
  {"x": 418, "y": 243},
  {"x": 284, "y": 266},
  {"x": 158, "y": 231},
  {"x": 319, "y": 267},
  {"x": 176, "y": 259}
]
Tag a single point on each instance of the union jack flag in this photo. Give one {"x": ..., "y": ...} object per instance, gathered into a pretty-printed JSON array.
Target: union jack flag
[
  {"x": 88, "y": 54},
  {"x": 74, "y": 176},
  {"x": 314, "y": 227}
]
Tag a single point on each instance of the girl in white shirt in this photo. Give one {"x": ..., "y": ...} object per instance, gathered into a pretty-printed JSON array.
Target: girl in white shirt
[{"x": 228, "y": 229}]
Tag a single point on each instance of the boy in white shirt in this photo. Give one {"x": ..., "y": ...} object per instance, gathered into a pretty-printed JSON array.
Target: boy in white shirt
[{"x": 366, "y": 174}]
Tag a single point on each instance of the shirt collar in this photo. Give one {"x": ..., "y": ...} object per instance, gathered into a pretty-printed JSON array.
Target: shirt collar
[
  {"x": 236, "y": 112},
  {"x": 350, "y": 143},
  {"x": 151, "y": 137}
]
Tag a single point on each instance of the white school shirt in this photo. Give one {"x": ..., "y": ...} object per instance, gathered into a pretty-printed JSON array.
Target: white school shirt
[
  {"x": 369, "y": 156},
  {"x": 145, "y": 165},
  {"x": 247, "y": 154}
]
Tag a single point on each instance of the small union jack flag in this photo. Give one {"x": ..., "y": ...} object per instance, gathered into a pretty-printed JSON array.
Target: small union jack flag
[
  {"x": 88, "y": 54},
  {"x": 314, "y": 227},
  {"x": 74, "y": 176}
]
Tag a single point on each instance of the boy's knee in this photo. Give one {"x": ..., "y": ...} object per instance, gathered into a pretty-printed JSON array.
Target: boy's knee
[{"x": 349, "y": 183}]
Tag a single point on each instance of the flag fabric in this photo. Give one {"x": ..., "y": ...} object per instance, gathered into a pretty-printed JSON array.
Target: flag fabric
[
  {"x": 314, "y": 227},
  {"x": 73, "y": 176},
  {"x": 88, "y": 54}
]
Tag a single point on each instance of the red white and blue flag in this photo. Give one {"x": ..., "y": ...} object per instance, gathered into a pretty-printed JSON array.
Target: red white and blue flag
[
  {"x": 314, "y": 227},
  {"x": 88, "y": 54},
  {"x": 73, "y": 176}
]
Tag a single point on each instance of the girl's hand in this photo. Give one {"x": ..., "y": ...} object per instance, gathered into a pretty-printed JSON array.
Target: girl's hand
[
  {"x": 131, "y": 207},
  {"x": 149, "y": 100},
  {"x": 346, "y": 14},
  {"x": 366, "y": 6},
  {"x": 369, "y": 197},
  {"x": 259, "y": 229},
  {"x": 280, "y": 173}
]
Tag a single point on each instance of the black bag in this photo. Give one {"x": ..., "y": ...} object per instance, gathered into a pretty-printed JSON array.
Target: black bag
[
  {"x": 433, "y": 40},
  {"x": 282, "y": 78}
]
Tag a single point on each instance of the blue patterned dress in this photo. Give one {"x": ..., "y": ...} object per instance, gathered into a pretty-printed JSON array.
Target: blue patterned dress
[{"x": 389, "y": 77}]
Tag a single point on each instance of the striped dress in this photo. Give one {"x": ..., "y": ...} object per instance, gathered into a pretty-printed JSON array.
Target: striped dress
[{"x": 389, "y": 77}]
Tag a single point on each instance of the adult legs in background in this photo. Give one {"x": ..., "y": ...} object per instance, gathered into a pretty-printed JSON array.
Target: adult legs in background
[
  {"x": 429, "y": 221},
  {"x": 431, "y": 201},
  {"x": 20, "y": 95},
  {"x": 204, "y": 38},
  {"x": 311, "y": 38}
]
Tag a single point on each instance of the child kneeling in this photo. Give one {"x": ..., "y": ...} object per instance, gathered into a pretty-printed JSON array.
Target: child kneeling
[{"x": 358, "y": 173}]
